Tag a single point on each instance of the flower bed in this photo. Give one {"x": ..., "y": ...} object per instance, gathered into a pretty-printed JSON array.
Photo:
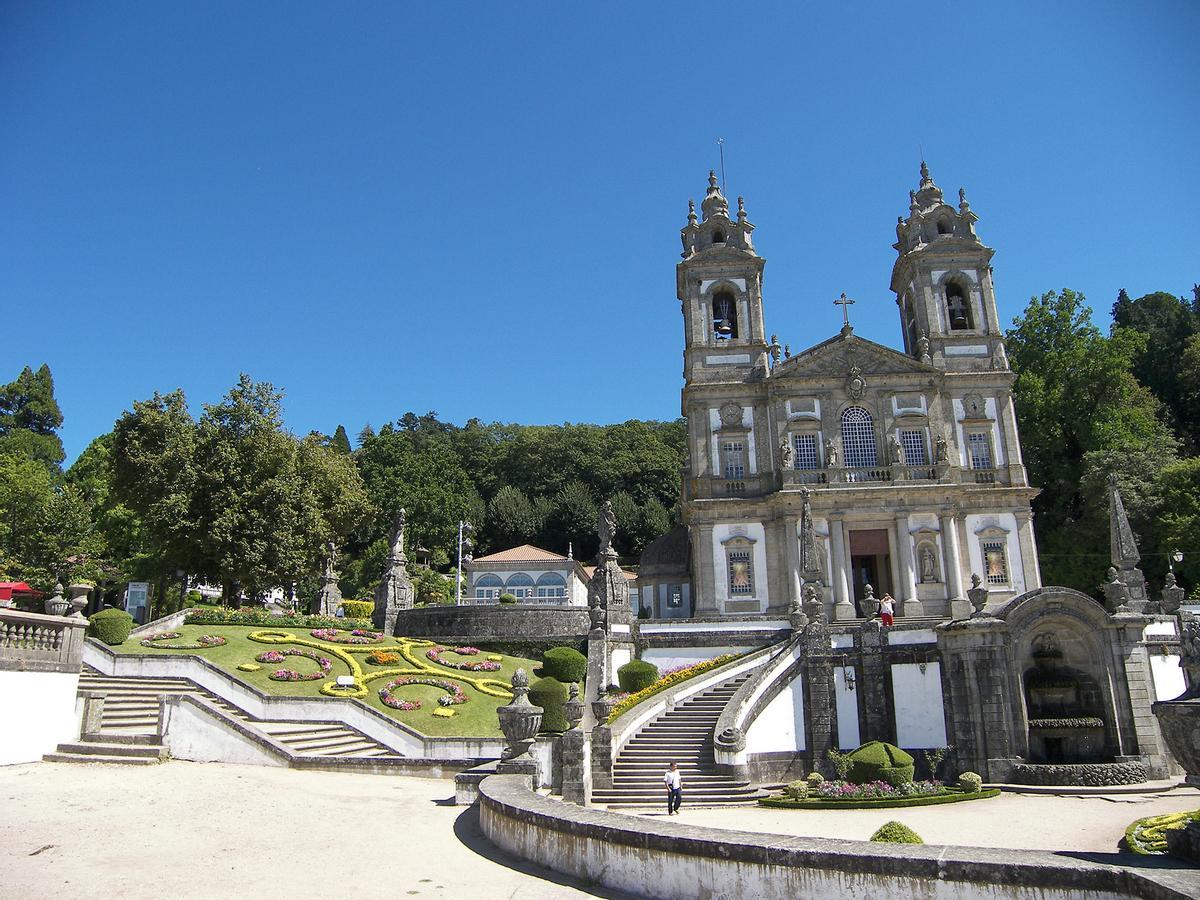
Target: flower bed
[
  {"x": 485, "y": 665},
  {"x": 947, "y": 795},
  {"x": 675, "y": 677},
  {"x": 1148, "y": 836},
  {"x": 388, "y": 698},
  {"x": 384, "y": 658},
  {"x": 357, "y": 636},
  {"x": 205, "y": 640},
  {"x": 277, "y": 656},
  {"x": 874, "y": 790},
  {"x": 257, "y": 615}
]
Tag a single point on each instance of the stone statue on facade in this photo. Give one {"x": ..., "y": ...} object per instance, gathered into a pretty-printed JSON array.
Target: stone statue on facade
[
  {"x": 786, "y": 454},
  {"x": 928, "y": 566},
  {"x": 1116, "y": 592},
  {"x": 395, "y": 591},
  {"x": 1172, "y": 595},
  {"x": 607, "y": 529},
  {"x": 923, "y": 347},
  {"x": 896, "y": 450},
  {"x": 831, "y": 454},
  {"x": 941, "y": 451},
  {"x": 814, "y": 609}
]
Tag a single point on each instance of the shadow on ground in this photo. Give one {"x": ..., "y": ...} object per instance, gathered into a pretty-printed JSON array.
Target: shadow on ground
[{"x": 467, "y": 830}]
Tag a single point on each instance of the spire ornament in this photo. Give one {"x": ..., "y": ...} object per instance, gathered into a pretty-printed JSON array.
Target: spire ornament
[
  {"x": 714, "y": 201},
  {"x": 691, "y": 212},
  {"x": 741, "y": 215}
]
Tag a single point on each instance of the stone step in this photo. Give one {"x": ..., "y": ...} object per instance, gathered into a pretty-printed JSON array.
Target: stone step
[
  {"x": 101, "y": 758},
  {"x": 113, "y": 748},
  {"x": 338, "y": 750},
  {"x": 312, "y": 745}
]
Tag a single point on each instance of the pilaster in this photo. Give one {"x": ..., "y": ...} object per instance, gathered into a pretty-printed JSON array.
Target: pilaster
[
  {"x": 843, "y": 607},
  {"x": 908, "y": 568}
]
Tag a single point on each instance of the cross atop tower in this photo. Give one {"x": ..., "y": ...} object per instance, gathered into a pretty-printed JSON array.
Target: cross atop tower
[{"x": 845, "y": 303}]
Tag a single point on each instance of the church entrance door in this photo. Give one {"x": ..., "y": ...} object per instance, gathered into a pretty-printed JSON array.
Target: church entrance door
[{"x": 870, "y": 563}]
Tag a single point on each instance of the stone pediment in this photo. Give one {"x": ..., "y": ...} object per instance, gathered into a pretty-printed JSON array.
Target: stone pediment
[{"x": 836, "y": 356}]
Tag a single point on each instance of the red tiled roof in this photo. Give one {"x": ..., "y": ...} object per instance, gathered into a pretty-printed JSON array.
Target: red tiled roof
[{"x": 526, "y": 552}]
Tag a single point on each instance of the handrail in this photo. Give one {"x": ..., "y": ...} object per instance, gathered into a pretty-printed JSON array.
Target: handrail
[{"x": 729, "y": 734}]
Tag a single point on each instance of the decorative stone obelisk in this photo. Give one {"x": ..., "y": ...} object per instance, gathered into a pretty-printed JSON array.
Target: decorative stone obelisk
[
  {"x": 330, "y": 597},
  {"x": 395, "y": 591},
  {"x": 1125, "y": 555},
  {"x": 608, "y": 607}
]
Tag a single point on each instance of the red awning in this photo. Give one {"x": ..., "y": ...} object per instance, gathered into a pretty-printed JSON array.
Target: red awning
[{"x": 9, "y": 588}]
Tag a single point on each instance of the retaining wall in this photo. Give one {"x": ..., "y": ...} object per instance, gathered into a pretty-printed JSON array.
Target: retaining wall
[
  {"x": 664, "y": 859},
  {"x": 500, "y": 622}
]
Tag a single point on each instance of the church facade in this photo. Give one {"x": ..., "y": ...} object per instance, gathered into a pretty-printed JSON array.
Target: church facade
[{"x": 909, "y": 461}]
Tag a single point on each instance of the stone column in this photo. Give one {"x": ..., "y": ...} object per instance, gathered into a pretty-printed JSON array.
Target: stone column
[
  {"x": 843, "y": 606},
  {"x": 875, "y": 723},
  {"x": 705, "y": 587},
  {"x": 1029, "y": 560},
  {"x": 959, "y": 607},
  {"x": 820, "y": 700},
  {"x": 791, "y": 535},
  {"x": 908, "y": 568}
]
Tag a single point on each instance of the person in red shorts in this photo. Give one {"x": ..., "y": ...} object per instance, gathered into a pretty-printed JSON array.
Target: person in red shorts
[{"x": 887, "y": 608}]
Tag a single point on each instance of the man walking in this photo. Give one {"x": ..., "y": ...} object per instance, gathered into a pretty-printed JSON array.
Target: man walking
[{"x": 674, "y": 782}]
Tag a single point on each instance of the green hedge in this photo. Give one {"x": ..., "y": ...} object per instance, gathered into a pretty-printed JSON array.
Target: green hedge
[
  {"x": 894, "y": 832},
  {"x": 550, "y": 694},
  {"x": 636, "y": 676},
  {"x": 564, "y": 663},
  {"x": 111, "y": 626},
  {"x": 529, "y": 648},
  {"x": 880, "y": 761},
  {"x": 358, "y": 609},
  {"x": 952, "y": 795},
  {"x": 507, "y": 599},
  {"x": 219, "y": 615}
]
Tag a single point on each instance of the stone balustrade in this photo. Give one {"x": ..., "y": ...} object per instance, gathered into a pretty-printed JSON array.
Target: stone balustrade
[{"x": 39, "y": 643}]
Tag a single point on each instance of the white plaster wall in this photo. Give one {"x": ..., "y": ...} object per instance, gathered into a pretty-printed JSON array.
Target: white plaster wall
[
  {"x": 780, "y": 727},
  {"x": 714, "y": 423},
  {"x": 38, "y": 711},
  {"x": 670, "y": 657},
  {"x": 618, "y": 658},
  {"x": 192, "y": 733},
  {"x": 916, "y": 636},
  {"x": 1168, "y": 676},
  {"x": 1160, "y": 629},
  {"x": 920, "y": 715},
  {"x": 1008, "y": 523},
  {"x": 998, "y": 449},
  {"x": 846, "y": 701},
  {"x": 755, "y": 532}
]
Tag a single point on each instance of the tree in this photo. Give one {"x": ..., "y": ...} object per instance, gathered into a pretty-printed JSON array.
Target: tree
[
  {"x": 30, "y": 417},
  {"x": 573, "y": 521},
  {"x": 629, "y": 523},
  {"x": 511, "y": 519},
  {"x": 1076, "y": 395},
  {"x": 340, "y": 441}
]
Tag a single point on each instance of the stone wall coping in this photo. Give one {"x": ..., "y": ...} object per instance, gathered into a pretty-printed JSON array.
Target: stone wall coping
[
  {"x": 169, "y": 622},
  {"x": 510, "y": 797},
  {"x": 281, "y": 703},
  {"x": 740, "y": 709},
  {"x": 628, "y": 723}
]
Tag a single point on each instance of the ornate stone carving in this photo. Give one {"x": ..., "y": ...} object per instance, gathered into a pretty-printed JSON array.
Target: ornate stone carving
[
  {"x": 57, "y": 605},
  {"x": 978, "y": 595},
  {"x": 520, "y": 719},
  {"x": 731, "y": 415},
  {"x": 810, "y": 566},
  {"x": 929, "y": 573},
  {"x": 1116, "y": 592},
  {"x": 786, "y": 454},
  {"x": 831, "y": 454},
  {"x": 330, "y": 596},
  {"x": 856, "y": 384},
  {"x": 606, "y": 527},
  {"x": 895, "y": 450},
  {"x": 1125, "y": 554},
  {"x": 814, "y": 609},
  {"x": 1189, "y": 658},
  {"x": 1172, "y": 595},
  {"x": 974, "y": 406},
  {"x": 941, "y": 451},
  {"x": 395, "y": 591},
  {"x": 731, "y": 740},
  {"x": 573, "y": 707},
  {"x": 869, "y": 603},
  {"x": 923, "y": 348}
]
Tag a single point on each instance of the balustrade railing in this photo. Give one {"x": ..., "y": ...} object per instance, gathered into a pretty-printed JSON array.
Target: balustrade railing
[{"x": 39, "y": 642}]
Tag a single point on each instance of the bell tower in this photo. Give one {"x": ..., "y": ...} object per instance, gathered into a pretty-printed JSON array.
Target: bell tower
[
  {"x": 943, "y": 284},
  {"x": 719, "y": 284}
]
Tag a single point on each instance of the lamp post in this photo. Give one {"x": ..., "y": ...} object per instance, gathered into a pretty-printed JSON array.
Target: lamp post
[
  {"x": 1173, "y": 557},
  {"x": 464, "y": 543}
]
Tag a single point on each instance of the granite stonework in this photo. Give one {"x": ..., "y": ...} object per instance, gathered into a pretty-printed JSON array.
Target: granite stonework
[
  {"x": 330, "y": 596},
  {"x": 1179, "y": 718},
  {"x": 395, "y": 591},
  {"x": 663, "y": 858},
  {"x": 1089, "y": 775},
  {"x": 519, "y": 621}
]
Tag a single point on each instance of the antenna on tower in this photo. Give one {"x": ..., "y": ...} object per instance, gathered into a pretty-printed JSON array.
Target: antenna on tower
[{"x": 721, "y": 150}]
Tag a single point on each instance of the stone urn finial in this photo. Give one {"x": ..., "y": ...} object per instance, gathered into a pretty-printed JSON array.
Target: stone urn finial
[
  {"x": 573, "y": 707},
  {"x": 869, "y": 603},
  {"x": 57, "y": 605},
  {"x": 1172, "y": 595},
  {"x": 520, "y": 719},
  {"x": 978, "y": 595}
]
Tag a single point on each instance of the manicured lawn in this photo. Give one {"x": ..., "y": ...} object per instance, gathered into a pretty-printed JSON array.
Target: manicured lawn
[{"x": 474, "y": 718}]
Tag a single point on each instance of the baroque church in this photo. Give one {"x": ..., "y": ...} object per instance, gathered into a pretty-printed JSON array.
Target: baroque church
[{"x": 910, "y": 461}]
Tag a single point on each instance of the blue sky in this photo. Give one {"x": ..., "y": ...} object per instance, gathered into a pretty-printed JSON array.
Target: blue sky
[{"x": 475, "y": 208}]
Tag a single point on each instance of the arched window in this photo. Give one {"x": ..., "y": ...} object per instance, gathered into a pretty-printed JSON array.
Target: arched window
[
  {"x": 957, "y": 308},
  {"x": 718, "y": 237},
  {"x": 725, "y": 324},
  {"x": 519, "y": 585},
  {"x": 943, "y": 227},
  {"x": 551, "y": 586},
  {"x": 858, "y": 439},
  {"x": 488, "y": 587}
]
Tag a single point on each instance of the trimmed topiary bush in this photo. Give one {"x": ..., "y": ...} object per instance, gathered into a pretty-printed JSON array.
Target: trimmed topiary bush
[
  {"x": 895, "y": 833},
  {"x": 815, "y": 779},
  {"x": 507, "y": 598},
  {"x": 969, "y": 782},
  {"x": 880, "y": 761},
  {"x": 111, "y": 626},
  {"x": 636, "y": 675},
  {"x": 358, "y": 609},
  {"x": 550, "y": 694},
  {"x": 564, "y": 663},
  {"x": 796, "y": 790}
]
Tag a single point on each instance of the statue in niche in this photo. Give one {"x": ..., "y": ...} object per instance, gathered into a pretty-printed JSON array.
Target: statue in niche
[
  {"x": 941, "y": 452},
  {"x": 786, "y": 453},
  {"x": 831, "y": 454},
  {"x": 896, "y": 450},
  {"x": 928, "y": 565}
]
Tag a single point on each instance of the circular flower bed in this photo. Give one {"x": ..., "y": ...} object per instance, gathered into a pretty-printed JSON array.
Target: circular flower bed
[
  {"x": 202, "y": 642},
  {"x": 1148, "y": 836},
  {"x": 484, "y": 665},
  {"x": 277, "y": 656},
  {"x": 357, "y": 636},
  {"x": 386, "y": 696}
]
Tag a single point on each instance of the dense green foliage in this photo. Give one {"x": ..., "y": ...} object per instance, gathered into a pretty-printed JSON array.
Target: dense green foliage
[
  {"x": 969, "y": 782},
  {"x": 550, "y": 694},
  {"x": 896, "y": 833},
  {"x": 636, "y": 675},
  {"x": 358, "y": 609},
  {"x": 564, "y": 663},
  {"x": 880, "y": 761},
  {"x": 111, "y": 626}
]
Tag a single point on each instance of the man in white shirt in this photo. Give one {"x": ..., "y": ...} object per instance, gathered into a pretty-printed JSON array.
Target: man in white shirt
[{"x": 674, "y": 782}]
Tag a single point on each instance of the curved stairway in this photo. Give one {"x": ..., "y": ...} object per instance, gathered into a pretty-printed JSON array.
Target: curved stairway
[
  {"x": 131, "y": 716},
  {"x": 683, "y": 735}
]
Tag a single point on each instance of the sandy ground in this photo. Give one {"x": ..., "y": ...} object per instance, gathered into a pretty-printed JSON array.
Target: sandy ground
[
  {"x": 1017, "y": 821},
  {"x": 222, "y": 831}
]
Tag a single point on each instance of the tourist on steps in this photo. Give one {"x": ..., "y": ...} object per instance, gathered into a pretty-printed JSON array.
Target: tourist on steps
[
  {"x": 887, "y": 607},
  {"x": 674, "y": 782}
]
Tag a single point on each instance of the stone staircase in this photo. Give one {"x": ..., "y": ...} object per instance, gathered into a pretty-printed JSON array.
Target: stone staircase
[
  {"x": 129, "y": 725},
  {"x": 683, "y": 735}
]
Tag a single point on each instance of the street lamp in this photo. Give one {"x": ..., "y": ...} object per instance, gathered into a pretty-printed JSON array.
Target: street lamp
[
  {"x": 1173, "y": 557},
  {"x": 464, "y": 549}
]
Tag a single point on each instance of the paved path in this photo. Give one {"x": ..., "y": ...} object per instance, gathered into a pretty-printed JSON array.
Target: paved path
[
  {"x": 1017, "y": 821},
  {"x": 191, "y": 830}
]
